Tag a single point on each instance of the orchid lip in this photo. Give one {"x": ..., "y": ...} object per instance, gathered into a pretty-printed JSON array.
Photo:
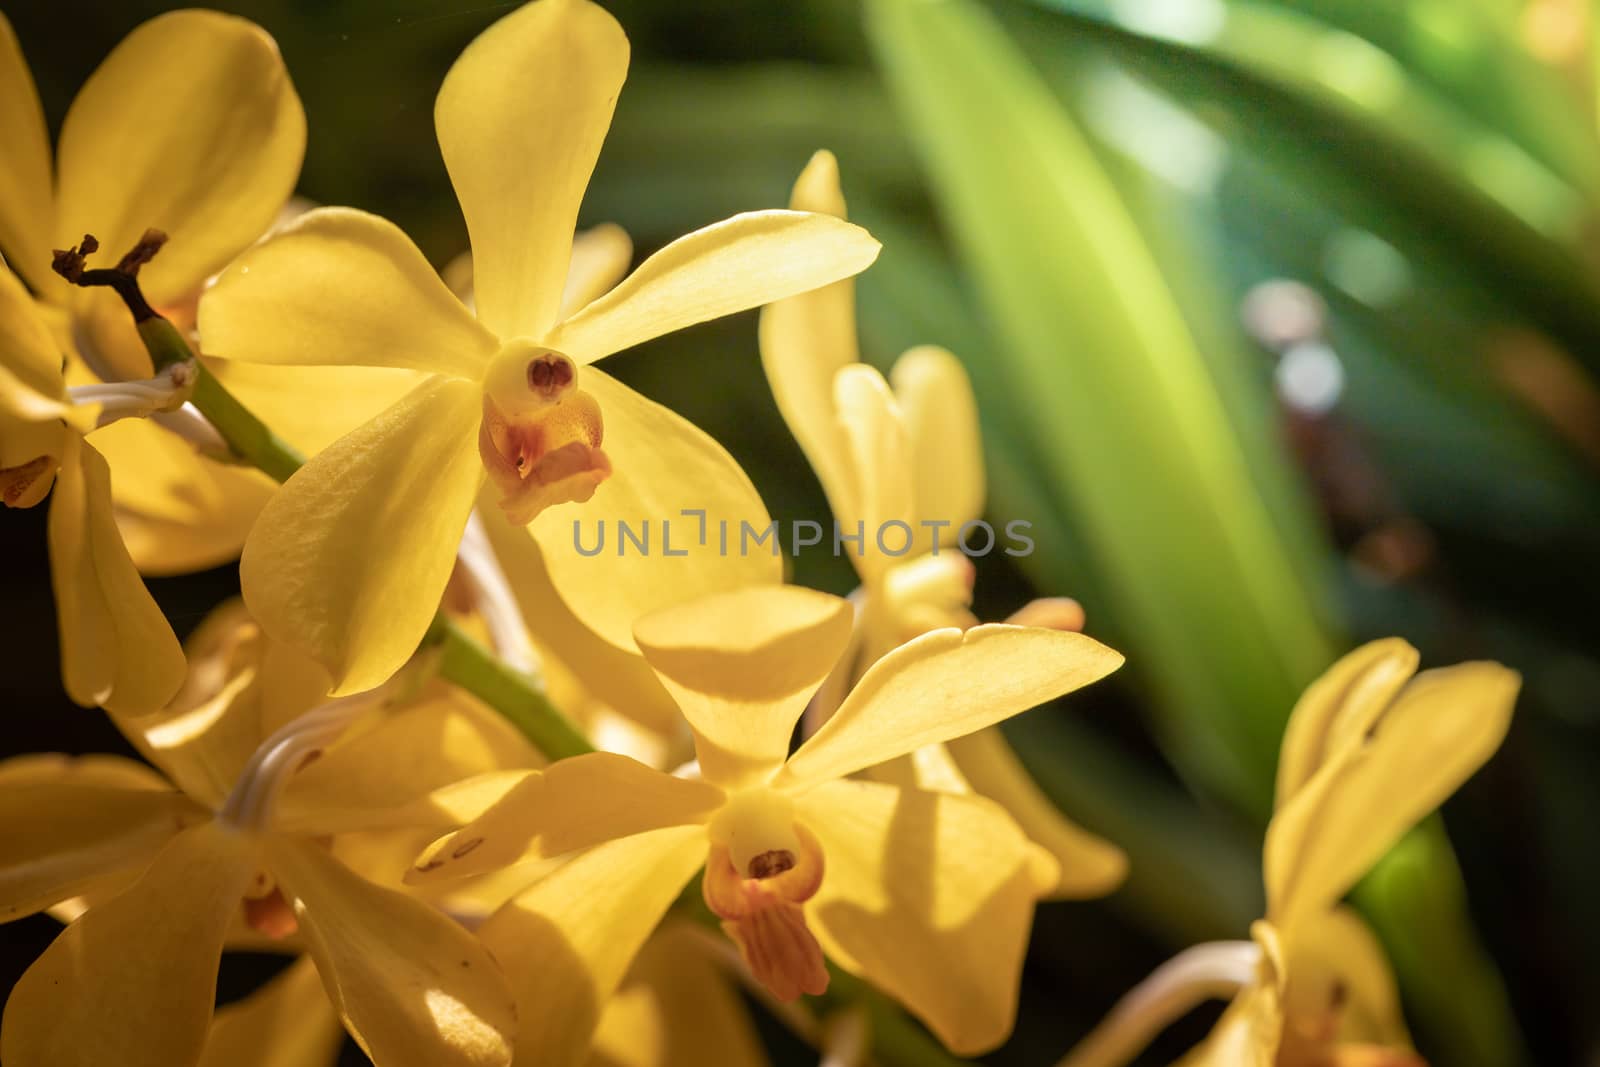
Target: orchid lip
[
  {"x": 761, "y": 908},
  {"x": 541, "y": 432}
]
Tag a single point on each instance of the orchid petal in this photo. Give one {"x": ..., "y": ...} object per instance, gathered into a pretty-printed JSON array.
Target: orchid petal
[
  {"x": 577, "y": 803},
  {"x": 414, "y": 988},
  {"x": 96, "y": 769},
  {"x": 100, "y": 771},
  {"x": 350, "y": 557},
  {"x": 117, "y": 649},
  {"x": 742, "y": 666},
  {"x": 339, "y": 287},
  {"x": 177, "y": 511},
  {"x": 600, "y": 258},
  {"x": 941, "y": 421},
  {"x": 312, "y": 407},
  {"x": 662, "y": 467},
  {"x": 616, "y": 677},
  {"x": 27, "y": 348},
  {"x": 27, "y": 206},
  {"x": 733, "y": 265},
  {"x": 399, "y": 755},
  {"x": 204, "y": 737},
  {"x": 61, "y": 836},
  {"x": 1339, "y": 707},
  {"x": 1089, "y": 866},
  {"x": 520, "y": 118},
  {"x": 33, "y": 402},
  {"x": 677, "y": 1006},
  {"x": 566, "y": 942},
  {"x": 929, "y": 895},
  {"x": 1247, "y": 1035},
  {"x": 806, "y": 339},
  {"x": 1337, "y": 964},
  {"x": 1442, "y": 727},
  {"x": 132, "y": 981},
  {"x": 207, "y": 151},
  {"x": 943, "y": 685},
  {"x": 877, "y": 472}
]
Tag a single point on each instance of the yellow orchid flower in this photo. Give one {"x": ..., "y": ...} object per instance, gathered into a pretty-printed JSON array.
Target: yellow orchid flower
[
  {"x": 250, "y": 837},
  {"x": 117, "y": 649},
  {"x": 350, "y": 557},
  {"x": 911, "y": 454},
  {"x": 927, "y": 894},
  {"x": 313, "y": 406},
  {"x": 190, "y": 126},
  {"x": 1370, "y": 750}
]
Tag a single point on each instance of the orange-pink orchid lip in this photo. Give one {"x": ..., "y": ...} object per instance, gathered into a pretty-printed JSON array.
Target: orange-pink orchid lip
[
  {"x": 761, "y": 912},
  {"x": 552, "y": 456}
]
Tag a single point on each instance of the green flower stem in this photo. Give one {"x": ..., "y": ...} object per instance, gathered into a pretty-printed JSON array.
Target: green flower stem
[
  {"x": 164, "y": 343},
  {"x": 247, "y": 436},
  {"x": 507, "y": 690}
]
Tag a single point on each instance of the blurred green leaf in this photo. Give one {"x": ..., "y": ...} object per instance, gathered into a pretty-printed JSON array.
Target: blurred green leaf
[
  {"x": 1474, "y": 192},
  {"x": 1449, "y": 80},
  {"x": 1103, "y": 372},
  {"x": 1219, "y": 611},
  {"x": 1415, "y": 901},
  {"x": 1419, "y": 323}
]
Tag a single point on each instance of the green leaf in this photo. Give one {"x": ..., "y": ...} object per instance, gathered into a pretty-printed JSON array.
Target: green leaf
[
  {"x": 1216, "y": 604},
  {"x": 1102, "y": 371},
  {"x": 1452, "y": 81}
]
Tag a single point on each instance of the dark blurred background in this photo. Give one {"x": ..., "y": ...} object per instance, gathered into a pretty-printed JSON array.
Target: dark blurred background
[{"x": 1282, "y": 318}]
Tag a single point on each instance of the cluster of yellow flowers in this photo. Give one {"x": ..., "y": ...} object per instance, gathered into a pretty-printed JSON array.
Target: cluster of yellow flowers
[{"x": 342, "y": 771}]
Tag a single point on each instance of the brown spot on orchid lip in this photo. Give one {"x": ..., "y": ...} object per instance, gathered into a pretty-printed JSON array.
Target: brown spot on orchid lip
[
  {"x": 769, "y": 864},
  {"x": 550, "y": 373}
]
